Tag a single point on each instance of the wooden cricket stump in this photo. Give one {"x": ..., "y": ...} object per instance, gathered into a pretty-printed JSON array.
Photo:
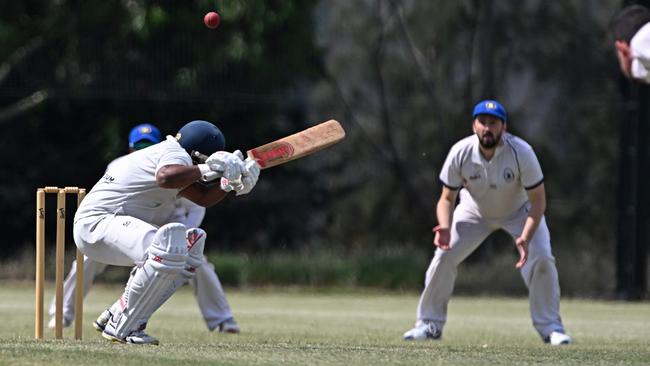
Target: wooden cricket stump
[{"x": 60, "y": 262}]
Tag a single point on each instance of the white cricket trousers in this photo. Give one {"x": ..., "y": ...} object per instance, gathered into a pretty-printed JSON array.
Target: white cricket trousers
[
  {"x": 468, "y": 231},
  {"x": 210, "y": 295},
  {"x": 119, "y": 240}
]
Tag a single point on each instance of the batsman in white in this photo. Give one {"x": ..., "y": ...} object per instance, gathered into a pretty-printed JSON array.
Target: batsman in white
[
  {"x": 501, "y": 186},
  {"x": 122, "y": 220},
  {"x": 207, "y": 288},
  {"x": 630, "y": 28}
]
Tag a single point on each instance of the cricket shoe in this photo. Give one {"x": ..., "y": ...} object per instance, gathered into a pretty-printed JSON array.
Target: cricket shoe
[
  {"x": 557, "y": 339},
  {"x": 66, "y": 322},
  {"x": 135, "y": 337},
  {"x": 422, "y": 332},
  {"x": 100, "y": 323},
  {"x": 229, "y": 326}
]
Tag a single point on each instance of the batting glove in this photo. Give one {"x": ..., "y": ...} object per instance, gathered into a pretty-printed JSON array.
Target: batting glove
[
  {"x": 230, "y": 165},
  {"x": 230, "y": 185},
  {"x": 250, "y": 175}
]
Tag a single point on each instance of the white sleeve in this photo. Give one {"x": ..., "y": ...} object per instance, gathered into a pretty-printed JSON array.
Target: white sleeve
[
  {"x": 529, "y": 169},
  {"x": 450, "y": 174},
  {"x": 113, "y": 162},
  {"x": 173, "y": 155},
  {"x": 174, "y": 158},
  {"x": 641, "y": 69},
  {"x": 640, "y": 48}
]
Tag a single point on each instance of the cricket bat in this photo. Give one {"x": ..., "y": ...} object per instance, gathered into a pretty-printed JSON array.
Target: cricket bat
[{"x": 289, "y": 148}]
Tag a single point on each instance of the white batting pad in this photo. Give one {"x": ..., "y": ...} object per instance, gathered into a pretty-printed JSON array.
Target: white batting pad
[
  {"x": 195, "y": 239},
  {"x": 154, "y": 281}
]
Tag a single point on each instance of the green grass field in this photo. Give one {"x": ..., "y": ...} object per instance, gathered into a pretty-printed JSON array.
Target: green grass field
[{"x": 305, "y": 327}]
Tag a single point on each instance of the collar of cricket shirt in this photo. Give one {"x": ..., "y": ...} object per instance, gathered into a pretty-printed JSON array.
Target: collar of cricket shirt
[{"x": 476, "y": 150}]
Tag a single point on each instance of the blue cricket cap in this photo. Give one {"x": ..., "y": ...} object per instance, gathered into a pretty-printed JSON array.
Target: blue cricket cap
[
  {"x": 491, "y": 107},
  {"x": 201, "y": 136},
  {"x": 146, "y": 132}
]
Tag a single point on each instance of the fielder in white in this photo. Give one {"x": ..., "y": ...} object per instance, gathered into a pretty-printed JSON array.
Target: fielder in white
[
  {"x": 630, "y": 28},
  {"x": 207, "y": 288},
  {"x": 122, "y": 220},
  {"x": 501, "y": 186}
]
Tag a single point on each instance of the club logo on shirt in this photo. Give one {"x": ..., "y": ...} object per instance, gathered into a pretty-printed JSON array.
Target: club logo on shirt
[
  {"x": 508, "y": 175},
  {"x": 108, "y": 178},
  {"x": 475, "y": 176}
]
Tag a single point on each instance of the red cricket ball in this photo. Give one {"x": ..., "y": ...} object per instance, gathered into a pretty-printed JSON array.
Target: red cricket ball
[{"x": 211, "y": 20}]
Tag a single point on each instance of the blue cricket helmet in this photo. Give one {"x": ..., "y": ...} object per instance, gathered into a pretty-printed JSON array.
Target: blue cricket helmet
[
  {"x": 146, "y": 132},
  {"x": 201, "y": 136}
]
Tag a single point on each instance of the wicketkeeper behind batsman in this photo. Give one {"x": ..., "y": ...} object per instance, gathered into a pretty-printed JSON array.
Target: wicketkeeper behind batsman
[{"x": 121, "y": 220}]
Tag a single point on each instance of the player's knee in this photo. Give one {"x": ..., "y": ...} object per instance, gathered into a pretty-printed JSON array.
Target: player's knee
[
  {"x": 544, "y": 264},
  {"x": 168, "y": 251},
  {"x": 195, "y": 239}
]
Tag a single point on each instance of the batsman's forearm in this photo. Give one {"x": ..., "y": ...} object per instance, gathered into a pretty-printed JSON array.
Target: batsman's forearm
[
  {"x": 214, "y": 195},
  {"x": 203, "y": 195}
]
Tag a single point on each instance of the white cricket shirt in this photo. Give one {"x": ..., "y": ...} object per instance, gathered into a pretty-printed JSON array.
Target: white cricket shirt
[
  {"x": 640, "y": 49},
  {"x": 494, "y": 189},
  {"x": 129, "y": 186}
]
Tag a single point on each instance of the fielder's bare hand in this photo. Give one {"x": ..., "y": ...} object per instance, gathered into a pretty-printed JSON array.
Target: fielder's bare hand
[
  {"x": 522, "y": 247},
  {"x": 442, "y": 237}
]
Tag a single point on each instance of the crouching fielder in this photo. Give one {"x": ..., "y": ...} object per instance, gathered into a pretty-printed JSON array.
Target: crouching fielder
[
  {"x": 501, "y": 187},
  {"x": 121, "y": 221}
]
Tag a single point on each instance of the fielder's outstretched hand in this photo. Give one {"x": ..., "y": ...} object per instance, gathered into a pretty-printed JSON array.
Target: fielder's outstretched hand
[
  {"x": 522, "y": 247},
  {"x": 442, "y": 237}
]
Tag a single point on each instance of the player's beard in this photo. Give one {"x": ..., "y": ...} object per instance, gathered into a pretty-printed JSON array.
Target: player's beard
[{"x": 489, "y": 140}]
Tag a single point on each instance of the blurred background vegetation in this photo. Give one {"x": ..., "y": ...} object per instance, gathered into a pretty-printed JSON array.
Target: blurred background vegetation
[{"x": 401, "y": 76}]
